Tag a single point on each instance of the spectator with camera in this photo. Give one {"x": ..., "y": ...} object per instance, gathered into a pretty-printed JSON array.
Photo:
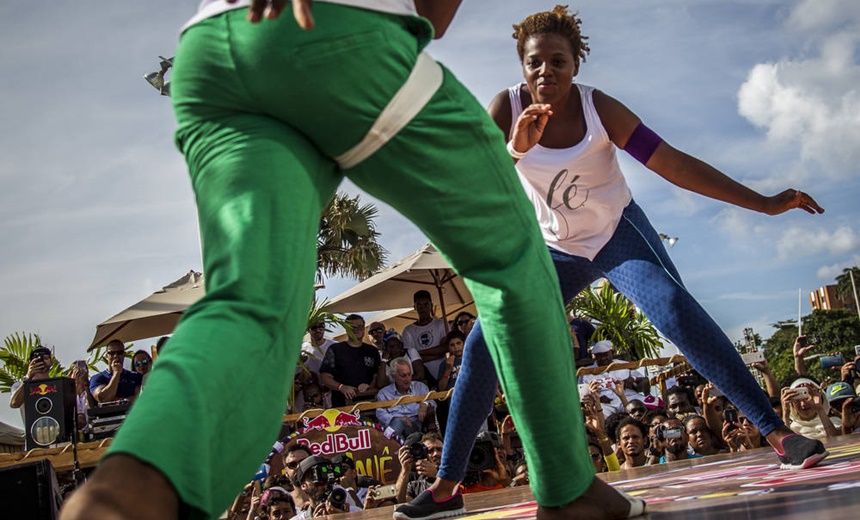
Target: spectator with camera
[
  {"x": 39, "y": 367},
  {"x": 805, "y": 409},
  {"x": 318, "y": 477},
  {"x": 420, "y": 457},
  {"x": 635, "y": 384},
  {"x": 672, "y": 441},
  {"x": 632, "y": 438},
  {"x": 739, "y": 433},
  {"x": 486, "y": 469},
  {"x": 84, "y": 400},
  {"x": 408, "y": 418}
]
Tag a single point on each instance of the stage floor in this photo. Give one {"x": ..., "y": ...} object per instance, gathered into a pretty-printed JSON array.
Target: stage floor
[{"x": 732, "y": 486}]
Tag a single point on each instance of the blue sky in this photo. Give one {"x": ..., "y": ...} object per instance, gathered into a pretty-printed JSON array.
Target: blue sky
[{"x": 96, "y": 211}]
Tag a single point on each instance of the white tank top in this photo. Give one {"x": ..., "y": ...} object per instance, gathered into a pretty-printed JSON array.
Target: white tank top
[
  {"x": 209, "y": 8},
  {"x": 579, "y": 192}
]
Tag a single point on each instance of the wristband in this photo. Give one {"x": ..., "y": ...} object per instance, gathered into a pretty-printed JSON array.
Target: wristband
[
  {"x": 339, "y": 387},
  {"x": 513, "y": 153}
]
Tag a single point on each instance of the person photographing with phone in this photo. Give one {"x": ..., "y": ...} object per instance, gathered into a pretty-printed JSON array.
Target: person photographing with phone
[
  {"x": 805, "y": 409},
  {"x": 39, "y": 367}
]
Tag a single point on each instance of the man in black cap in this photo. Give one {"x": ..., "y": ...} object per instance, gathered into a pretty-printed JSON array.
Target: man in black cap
[
  {"x": 313, "y": 477},
  {"x": 41, "y": 361}
]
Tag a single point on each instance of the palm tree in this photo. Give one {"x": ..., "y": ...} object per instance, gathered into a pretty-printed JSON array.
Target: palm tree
[
  {"x": 15, "y": 355},
  {"x": 347, "y": 242},
  {"x": 844, "y": 288},
  {"x": 618, "y": 321}
]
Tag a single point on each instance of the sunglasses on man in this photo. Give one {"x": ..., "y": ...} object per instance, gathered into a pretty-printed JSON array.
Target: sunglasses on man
[{"x": 141, "y": 363}]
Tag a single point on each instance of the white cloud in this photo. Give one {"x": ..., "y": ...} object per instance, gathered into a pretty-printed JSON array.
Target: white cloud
[
  {"x": 802, "y": 241},
  {"x": 830, "y": 272},
  {"x": 813, "y": 102}
]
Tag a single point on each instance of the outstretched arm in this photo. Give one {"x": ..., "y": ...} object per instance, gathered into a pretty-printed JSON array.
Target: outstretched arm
[{"x": 692, "y": 174}]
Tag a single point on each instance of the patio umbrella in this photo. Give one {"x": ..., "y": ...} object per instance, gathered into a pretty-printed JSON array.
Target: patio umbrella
[
  {"x": 153, "y": 316},
  {"x": 394, "y": 287},
  {"x": 398, "y": 319}
]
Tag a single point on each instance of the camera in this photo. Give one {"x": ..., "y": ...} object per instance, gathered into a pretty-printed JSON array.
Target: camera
[
  {"x": 691, "y": 380},
  {"x": 483, "y": 457},
  {"x": 418, "y": 451},
  {"x": 832, "y": 361},
  {"x": 664, "y": 433},
  {"x": 329, "y": 474}
]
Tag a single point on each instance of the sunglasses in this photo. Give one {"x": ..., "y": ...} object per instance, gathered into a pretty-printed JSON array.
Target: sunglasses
[
  {"x": 463, "y": 322},
  {"x": 115, "y": 353},
  {"x": 637, "y": 410},
  {"x": 318, "y": 327},
  {"x": 141, "y": 363},
  {"x": 40, "y": 356},
  {"x": 377, "y": 331},
  {"x": 293, "y": 465},
  {"x": 596, "y": 456}
]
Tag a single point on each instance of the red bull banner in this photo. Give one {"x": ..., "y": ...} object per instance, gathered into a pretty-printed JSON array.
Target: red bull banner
[
  {"x": 335, "y": 433},
  {"x": 43, "y": 389}
]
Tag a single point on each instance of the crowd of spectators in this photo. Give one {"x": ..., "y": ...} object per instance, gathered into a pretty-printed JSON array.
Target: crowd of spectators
[{"x": 629, "y": 423}]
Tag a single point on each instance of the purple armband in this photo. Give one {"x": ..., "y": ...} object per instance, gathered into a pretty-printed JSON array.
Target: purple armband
[{"x": 642, "y": 143}]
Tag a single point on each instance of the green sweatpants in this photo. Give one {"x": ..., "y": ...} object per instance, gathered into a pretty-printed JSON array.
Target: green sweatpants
[{"x": 261, "y": 109}]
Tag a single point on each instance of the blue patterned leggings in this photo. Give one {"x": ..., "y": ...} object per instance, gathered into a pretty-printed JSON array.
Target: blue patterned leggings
[{"x": 637, "y": 264}]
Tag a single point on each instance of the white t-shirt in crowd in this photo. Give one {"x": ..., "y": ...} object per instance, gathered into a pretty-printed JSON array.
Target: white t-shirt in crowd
[{"x": 421, "y": 337}]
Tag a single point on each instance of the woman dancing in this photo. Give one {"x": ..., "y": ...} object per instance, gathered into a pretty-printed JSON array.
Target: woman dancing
[{"x": 563, "y": 137}]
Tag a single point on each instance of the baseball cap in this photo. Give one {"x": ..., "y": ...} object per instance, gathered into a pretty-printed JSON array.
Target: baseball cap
[
  {"x": 39, "y": 351},
  {"x": 838, "y": 391},
  {"x": 601, "y": 347},
  {"x": 802, "y": 381},
  {"x": 652, "y": 402},
  {"x": 391, "y": 333},
  {"x": 308, "y": 463},
  {"x": 343, "y": 459}
]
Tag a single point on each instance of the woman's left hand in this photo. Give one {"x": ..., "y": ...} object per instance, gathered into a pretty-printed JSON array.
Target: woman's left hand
[{"x": 790, "y": 199}]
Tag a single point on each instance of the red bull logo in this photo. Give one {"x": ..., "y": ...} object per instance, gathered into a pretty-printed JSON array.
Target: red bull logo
[
  {"x": 43, "y": 389},
  {"x": 331, "y": 420},
  {"x": 338, "y": 443}
]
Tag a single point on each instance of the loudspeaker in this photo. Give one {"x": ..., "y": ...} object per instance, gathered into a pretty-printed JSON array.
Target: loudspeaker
[
  {"x": 31, "y": 491},
  {"x": 49, "y": 411}
]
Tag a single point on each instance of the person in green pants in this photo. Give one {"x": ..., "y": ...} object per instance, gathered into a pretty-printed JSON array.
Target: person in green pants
[{"x": 270, "y": 119}]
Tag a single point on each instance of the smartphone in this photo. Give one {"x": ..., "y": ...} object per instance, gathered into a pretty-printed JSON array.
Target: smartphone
[
  {"x": 385, "y": 492},
  {"x": 753, "y": 357},
  {"x": 669, "y": 433},
  {"x": 801, "y": 392},
  {"x": 714, "y": 392},
  {"x": 856, "y": 350},
  {"x": 82, "y": 365},
  {"x": 583, "y": 389},
  {"x": 730, "y": 415},
  {"x": 832, "y": 361}
]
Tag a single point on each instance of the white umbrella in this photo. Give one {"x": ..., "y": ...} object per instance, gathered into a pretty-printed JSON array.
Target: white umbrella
[
  {"x": 154, "y": 316},
  {"x": 394, "y": 287}
]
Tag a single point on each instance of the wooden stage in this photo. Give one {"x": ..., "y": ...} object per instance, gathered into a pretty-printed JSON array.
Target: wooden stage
[{"x": 745, "y": 485}]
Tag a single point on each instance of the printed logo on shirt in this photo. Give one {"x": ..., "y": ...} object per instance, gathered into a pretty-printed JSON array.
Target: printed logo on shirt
[
  {"x": 570, "y": 197},
  {"x": 369, "y": 362},
  {"x": 425, "y": 340}
]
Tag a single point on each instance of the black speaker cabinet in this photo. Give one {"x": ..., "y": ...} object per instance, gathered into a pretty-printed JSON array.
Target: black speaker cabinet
[
  {"x": 49, "y": 411},
  {"x": 31, "y": 491}
]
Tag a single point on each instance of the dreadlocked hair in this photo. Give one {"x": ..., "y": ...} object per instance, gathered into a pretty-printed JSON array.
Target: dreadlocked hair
[{"x": 558, "y": 21}]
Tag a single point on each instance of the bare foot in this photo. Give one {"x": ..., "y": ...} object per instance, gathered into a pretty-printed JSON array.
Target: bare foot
[
  {"x": 123, "y": 488},
  {"x": 599, "y": 502}
]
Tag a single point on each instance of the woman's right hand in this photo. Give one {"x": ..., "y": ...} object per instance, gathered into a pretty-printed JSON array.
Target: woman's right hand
[{"x": 530, "y": 126}]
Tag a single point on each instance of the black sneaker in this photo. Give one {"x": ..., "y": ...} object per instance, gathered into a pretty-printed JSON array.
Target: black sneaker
[
  {"x": 425, "y": 507},
  {"x": 799, "y": 452}
]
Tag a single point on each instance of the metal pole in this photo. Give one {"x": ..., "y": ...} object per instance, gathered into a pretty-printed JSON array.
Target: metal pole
[{"x": 854, "y": 287}]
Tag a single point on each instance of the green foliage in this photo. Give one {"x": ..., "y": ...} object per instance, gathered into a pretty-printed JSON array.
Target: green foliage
[
  {"x": 15, "y": 355},
  {"x": 830, "y": 331},
  {"x": 616, "y": 319},
  {"x": 347, "y": 240},
  {"x": 844, "y": 288}
]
